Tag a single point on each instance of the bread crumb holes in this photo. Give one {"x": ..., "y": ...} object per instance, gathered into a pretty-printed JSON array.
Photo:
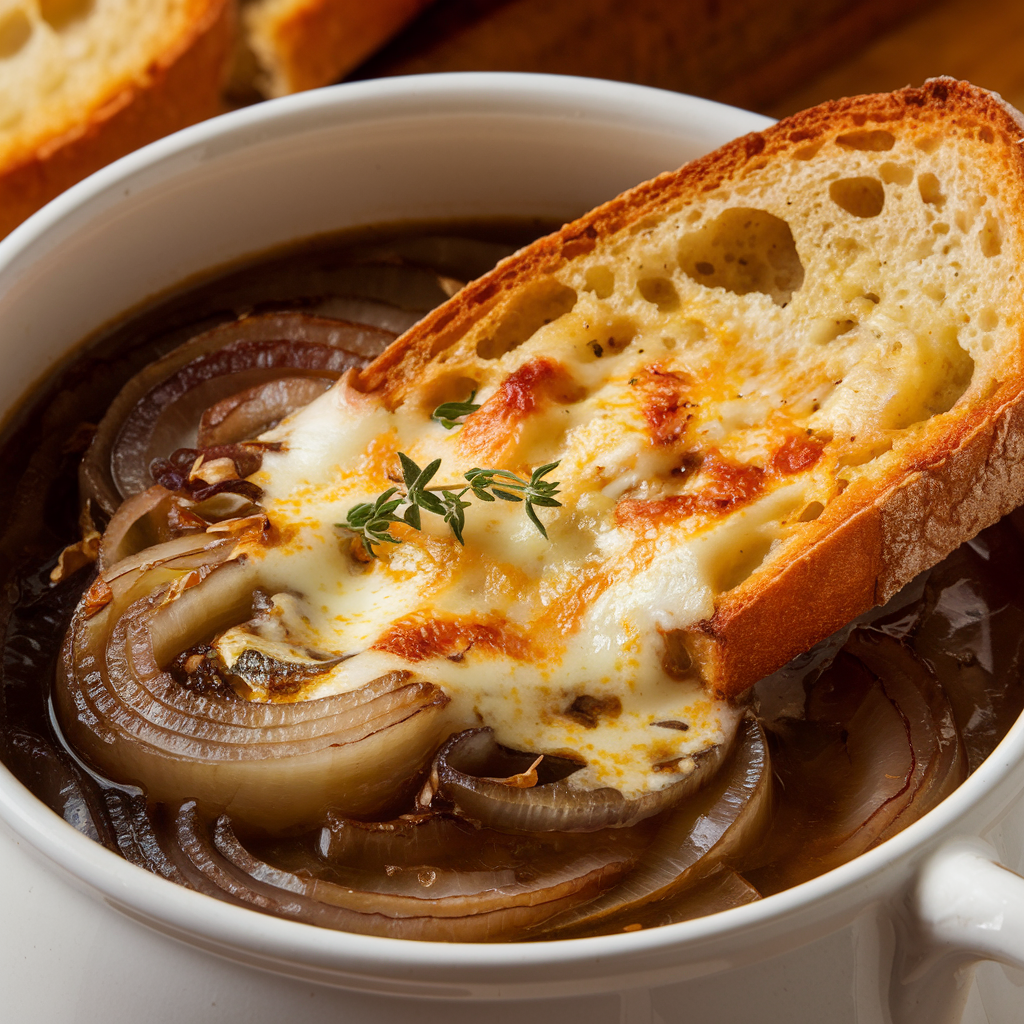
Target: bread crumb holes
[
  {"x": 532, "y": 309},
  {"x": 930, "y": 189},
  {"x": 811, "y": 512},
  {"x": 991, "y": 238},
  {"x": 59, "y": 14},
  {"x": 744, "y": 250},
  {"x": 600, "y": 281},
  {"x": 872, "y": 141},
  {"x": 808, "y": 152},
  {"x": 860, "y": 197},
  {"x": 988, "y": 320},
  {"x": 15, "y": 32},
  {"x": 659, "y": 291},
  {"x": 895, "y": 174}
]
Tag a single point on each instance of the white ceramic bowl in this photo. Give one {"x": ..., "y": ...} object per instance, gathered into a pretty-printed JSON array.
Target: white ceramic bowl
[{"x": 885, "y": 937}]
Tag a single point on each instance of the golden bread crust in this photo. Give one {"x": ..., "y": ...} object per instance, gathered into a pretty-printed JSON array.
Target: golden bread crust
[
  {"x": 962, "y": 473},
  {"x": 306, "y": 44}
]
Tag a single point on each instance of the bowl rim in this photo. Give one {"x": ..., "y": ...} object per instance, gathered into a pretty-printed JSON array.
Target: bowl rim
[{"x": 190, "y": 915}]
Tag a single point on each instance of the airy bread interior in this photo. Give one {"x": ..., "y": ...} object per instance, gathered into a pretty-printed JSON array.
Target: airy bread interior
[{"x": 84, "y": 82}]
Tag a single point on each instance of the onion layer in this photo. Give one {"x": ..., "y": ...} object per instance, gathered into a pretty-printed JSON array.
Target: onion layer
[
  {"x": 467, "y": 765},
  {"x": 723, "y": 820},
  {"x": 160, "y": 408},
  {"x": 878, "y": 747},
  {"x": 272, "y": 765},
  {"x": 506, "y": 885}
]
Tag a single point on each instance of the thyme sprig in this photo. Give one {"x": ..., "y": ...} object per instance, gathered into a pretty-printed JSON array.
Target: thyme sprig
[
  {"x": 449, "y": 413},
  {"x": 372, "y": 521}
]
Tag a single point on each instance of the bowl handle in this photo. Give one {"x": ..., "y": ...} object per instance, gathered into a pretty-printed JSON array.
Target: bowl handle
[{"x": 964, "y": 907}]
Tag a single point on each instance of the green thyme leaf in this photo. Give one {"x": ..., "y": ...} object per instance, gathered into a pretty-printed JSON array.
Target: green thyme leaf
[
  {"x": 448, "y": 413},
  {"x": 535, "y": 520},
  {"x": 455, "y": 514},
  {"x": 371, "y": 521}
]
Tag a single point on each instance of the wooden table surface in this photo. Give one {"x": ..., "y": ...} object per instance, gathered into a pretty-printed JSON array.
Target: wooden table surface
[
  {"x": 979, "y": 40},
  {"x": 774, "y": 56}
]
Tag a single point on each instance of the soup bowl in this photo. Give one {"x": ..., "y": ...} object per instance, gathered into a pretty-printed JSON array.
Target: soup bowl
[{"x": 891, "y": 936}]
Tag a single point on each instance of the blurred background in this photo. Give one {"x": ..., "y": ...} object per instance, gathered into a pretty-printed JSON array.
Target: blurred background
[
  {"x": 772, "y": 56},
  {"x": 83, "y": 82}
]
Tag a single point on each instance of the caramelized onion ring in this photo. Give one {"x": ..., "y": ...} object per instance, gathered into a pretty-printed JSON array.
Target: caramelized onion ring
[
  {"x": 139, "y": 523},
  {"x": 463, "y": 762},
  {"x": 877, "y": 747},
  {"x": 272, "y": 765},
  {"x": 254, "y": 410},
  {"x": 160, "y": 408},
  {"x": 935, "y": 764},
  {"x": 724, "y": 819},
  {"x": 516, "y": 883}
]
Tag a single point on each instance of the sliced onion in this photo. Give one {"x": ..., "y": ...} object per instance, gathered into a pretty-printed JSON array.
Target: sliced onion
[
  {"x": 723, "y": 821},
  {"x": 973, "y": 635},
  {"x": 139, "y": 523},
  {"x": 160, "y": 408},
  {"x": 938, "y": 763},
  {"x": 878, "y": 748},
  {"x": 466, "y": 767},
  {"x": 722, "y": 890},
  {"x": 511, "y": 884},
  {"x": 273, "y": 765},
  {"x": 256, "y": 410}
]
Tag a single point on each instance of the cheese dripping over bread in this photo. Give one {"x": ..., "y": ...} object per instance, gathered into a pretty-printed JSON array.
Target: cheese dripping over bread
[{"x": 734, "y": 367}]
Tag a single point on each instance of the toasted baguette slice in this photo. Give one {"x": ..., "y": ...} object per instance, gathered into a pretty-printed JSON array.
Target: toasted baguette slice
[
  {"x": 303, "y": 44},
  {"x": 790, "y": 373},
  {"x": 86, "y": 81}
]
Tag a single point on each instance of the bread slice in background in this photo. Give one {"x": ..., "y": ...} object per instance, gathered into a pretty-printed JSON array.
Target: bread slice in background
[
  {"x": 795, "y": 369},
  {"x": 304, "y": 44},
  {"x": 83, "y": 82}
]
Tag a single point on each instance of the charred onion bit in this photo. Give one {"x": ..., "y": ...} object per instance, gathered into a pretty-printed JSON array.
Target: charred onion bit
[
  {"x": 183, "y": 471},
  {"x": 219, "y": 383},
  {"x": 468, "y": 766},
  {"x": 431, "y": 877}
]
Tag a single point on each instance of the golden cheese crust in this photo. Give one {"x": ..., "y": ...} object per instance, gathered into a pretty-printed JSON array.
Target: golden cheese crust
[{"x": 929, "y": 478}]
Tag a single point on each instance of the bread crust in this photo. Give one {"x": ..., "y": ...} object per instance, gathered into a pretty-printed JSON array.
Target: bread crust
[
  {"x": 180, "y": 86},
  {"x": 315, "y": 42},
  {"x": 965, "y": 473}
]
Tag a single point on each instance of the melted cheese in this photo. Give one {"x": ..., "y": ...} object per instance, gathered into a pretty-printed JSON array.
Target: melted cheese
[
  {"x": 707, "y": 383},
  {"x": 669, "y": 497},
  {"x": 515, "y": 627}
]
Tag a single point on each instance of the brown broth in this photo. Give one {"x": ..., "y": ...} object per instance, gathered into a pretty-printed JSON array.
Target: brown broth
[{"x": 961, "y": 624}]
